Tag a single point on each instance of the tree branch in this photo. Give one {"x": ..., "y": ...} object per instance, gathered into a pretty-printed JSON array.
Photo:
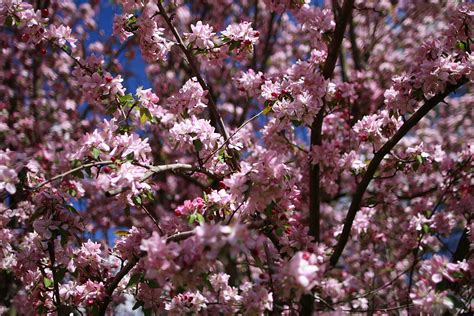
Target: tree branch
[
  {"x": 216, "y": 118},
  {"x": 378, "y": 157},
  {"x": 81, "y": 167},
  {"x": 316, "y": 128},
  {"x": 355, "y": 49},
  {"x": 160, "y": 169},
  {"x": 114, "y": 282},
  {"x": 52, "y": 258}
]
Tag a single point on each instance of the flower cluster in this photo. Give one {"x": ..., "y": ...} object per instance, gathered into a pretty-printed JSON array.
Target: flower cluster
[
  {"x": 196, "y": 133},
  {"x": 284, "y": 157},
  {"x": 190, "y": 99},
  {"x": 99, "y": 87},
  {"x": 376, "y": 128},
  {"x": 282, "y": 5},
  {"x": 154, "y": 46},
  {"x": 201, "y": 35},
  {"x": 8, "y": 174},
  {"x": 432, "y": 273},
  {"x": 123, "y": 26},
  {"x": 438, "y": 65},
  {"x": 190, "y": 207}
]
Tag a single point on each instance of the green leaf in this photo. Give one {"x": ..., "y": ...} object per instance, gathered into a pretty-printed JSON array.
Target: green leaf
[
  {"x": 124, "y": 129},
  {"x": 76, "y": 163},
  {"x": 41, "y": 309},
  {"x": 78, "y": 174},
  {"x": 268, "y": 103},
  {"x": 148, "y": 195},
  {"x": 200, "y": 218},
  {"x": 60, "y": 274},
  {"x": 456, "y": 301},
  {"x": 95, "y": 153},
  {"x": 130, "y": 157},
  {"x": 419, "y": 158},
  {"x": 192, "y": 218},
  {"x": 67, "y": 49},
  {"x": 267, "y": 110},
  {"x": 47, "y": 282},
  {"x": 137, "y": 200},
  {"x": 147, "y": 311},
  {"x": 269, "y": 209},
  {"x": 143, "y": 116},
  {"x": 71, "y": 209},
  {"x": 225, "y": 39},
  {"x": 426, "y": 228},
  {"x": 17, "y": 21},
  {"x": 458, "y": 274},
  {"x": 111, "y": 109},
  {"x": 94, "y": 310},
  {"x": 279, "y": 231},
  {"x": 9, "y": 21},
  {"x": 461, "y": 45},
  {"x": 234, "y": 45},
  {"x": 131, "y": 24},
  {"x": 134, "y": 279},
  {"x": 137, "y": 305},
  {"x": 416, "y": 166},
  {"x": 153, "y": 284},
  {"x": 198, "y": 145},
  {"x": 221, "y": 155},
  {"x": 121, "y": 233}
]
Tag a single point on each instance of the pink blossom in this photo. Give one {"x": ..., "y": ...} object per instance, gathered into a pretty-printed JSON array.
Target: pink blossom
[
  {"x": 160, "y": 256},
  {"x": 120, "y": 29},
  {"x": 241, "y": 32},
  {"x": 201, "y": 35},
  {"x": 153, "y": 43},
  {"x": 61, "y": 34},
  {"x": 89, "y": 256},
  {"x": 191, "y": 98},
  {"x": 128, "y": 245},
  {"x": 190, "y": 207},
  {"x": 256, "y": 299},
  {"x": 188, "y": 302},
  {"x": 304, "y": 267}
]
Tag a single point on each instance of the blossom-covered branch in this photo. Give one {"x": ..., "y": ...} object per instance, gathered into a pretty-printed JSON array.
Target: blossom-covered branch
[
  {"x": 316, "y": 127},
  {"x": 167, "y": 168},
  {"x": 375, "y": 162}
]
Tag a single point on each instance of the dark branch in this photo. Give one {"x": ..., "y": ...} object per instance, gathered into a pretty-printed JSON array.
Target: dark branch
[
  {"x": 316, "y": 128},
  {"x": 374, "y": 164},
  {"x": 216, "y": 118}
]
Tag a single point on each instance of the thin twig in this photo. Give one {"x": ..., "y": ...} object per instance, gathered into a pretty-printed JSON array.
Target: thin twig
[
  {"x": 155, "y": 221},
  {"x": 82, "y": 167},
  {"x": 160, "y": 169},
  {"x": 233, "y": 134},
  {"x": 215, "y": 116}
]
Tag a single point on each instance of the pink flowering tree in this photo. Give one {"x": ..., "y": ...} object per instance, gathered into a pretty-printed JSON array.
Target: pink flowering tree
[{"x": 282, "y": 157}]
